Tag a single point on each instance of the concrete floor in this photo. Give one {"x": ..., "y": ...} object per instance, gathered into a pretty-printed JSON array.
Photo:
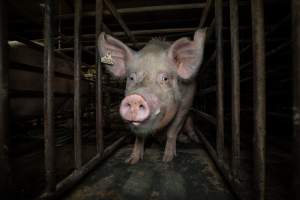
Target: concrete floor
[{"x": 191, "y": 175}]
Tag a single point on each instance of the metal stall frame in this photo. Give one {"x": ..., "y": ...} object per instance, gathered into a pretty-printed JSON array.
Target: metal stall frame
[
  {"x": 231, "y": 172},
  {"x": 53, "y": 188},
  {"x": 295, "y": 7},
  {"x": 5, "y": 171}
]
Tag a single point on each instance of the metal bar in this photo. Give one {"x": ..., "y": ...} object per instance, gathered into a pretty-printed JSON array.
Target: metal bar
[
  {"x": 77, "y": 175},
  {"x": 77, "y": 83},
  {"x": 235, "y": 84},
  {"x": 259, "y": 101},
  {"x": 149, "y": 9},
  {"x": 213, "y": 55},
  {"x": 239, "y": 190},
  {"x": 99, "y": 120},
  {"x": 49, "y": 136},
  {"x": 161, "y": 8},
  {"x": 296, "y": 98},
  {"x": 118, "y": 17},
  {"x": 205, "y": 13},
  {"x": 5, "y": 171},
  {"x": 142, "y": 9},
  {"x": 220, "y": 81},
  {"x": 39, "y": 70},
  {"x": 271, "y": 30},
  {"x": 271, "y": 52},
  {"x": 206, "y": 116},
  {"x": 41, "y": 48},
  {"x": 37, "y": 94}
]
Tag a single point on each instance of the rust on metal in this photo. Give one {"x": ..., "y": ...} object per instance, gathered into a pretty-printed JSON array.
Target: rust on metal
[{"x": 259, "y": 99}]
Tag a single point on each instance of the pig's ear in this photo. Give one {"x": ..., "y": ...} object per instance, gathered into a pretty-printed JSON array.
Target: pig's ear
[
  {"x": 119, "y": 52},
  {"x": 187, "y": 54}
]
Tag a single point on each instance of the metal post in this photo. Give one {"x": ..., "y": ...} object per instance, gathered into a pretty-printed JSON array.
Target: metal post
[
  {"x": 235, "y": 84},
  {"x": 99, "y": 126},
  {"x": 5, "y": 175},
  {"x": 77, "y": 99},
  {"x": 220, "y": 82},
  {"x": 48, "y": 98},
  {"x": 259, "y": 101},
  {"x": 296, "y": 91}
]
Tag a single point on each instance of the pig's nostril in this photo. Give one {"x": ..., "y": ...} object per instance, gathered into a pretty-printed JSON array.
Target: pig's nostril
[{"x": 134, "y": 108}]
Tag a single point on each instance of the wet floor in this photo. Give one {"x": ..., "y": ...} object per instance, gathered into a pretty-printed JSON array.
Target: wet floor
[{"x": 191, "y": 175}]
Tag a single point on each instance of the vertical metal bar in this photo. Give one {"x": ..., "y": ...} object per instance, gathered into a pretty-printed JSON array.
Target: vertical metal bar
[
  {"x": 99, "y": 130},
  {"x": 235, "y": 86},
  {"x": 77, "y": 87},
  {"x": 49, "y": 135},
  {"x": 5, "y": 182},
  {"x": 259, "y": 101},
  {"x": 296, "y": 98},
  {"x": 219, "y": 71}
]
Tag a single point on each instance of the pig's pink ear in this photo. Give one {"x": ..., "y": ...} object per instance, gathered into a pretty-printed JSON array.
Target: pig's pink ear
[
  {"x": 120, "y": 54},
  {"x": 187, "y": 54}
]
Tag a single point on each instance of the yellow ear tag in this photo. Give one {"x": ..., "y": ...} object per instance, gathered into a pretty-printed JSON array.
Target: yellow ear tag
[{"x": 107, "y": 59}]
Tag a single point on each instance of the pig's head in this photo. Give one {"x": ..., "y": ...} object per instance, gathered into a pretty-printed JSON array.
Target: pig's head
[{"x": 154, "y": 75}]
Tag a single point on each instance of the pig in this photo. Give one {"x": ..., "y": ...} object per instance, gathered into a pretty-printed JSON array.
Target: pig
[{"x": 160, "y": 86}]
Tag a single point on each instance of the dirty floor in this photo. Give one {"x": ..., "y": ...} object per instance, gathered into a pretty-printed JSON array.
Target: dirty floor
[{"x": 191, "y": 175}]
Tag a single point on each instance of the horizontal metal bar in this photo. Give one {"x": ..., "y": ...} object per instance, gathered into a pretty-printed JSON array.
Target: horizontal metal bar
[
  {"x": 39, "y": 47},
  {"x": 144, "y": 9},
  {"x": 39, "y": 94},
  {"x": 206, "y": 116},
  {"x": 77, "y": 175},
  {"x": 236, "y": 186},
  {"x": 39, "y": 70}
]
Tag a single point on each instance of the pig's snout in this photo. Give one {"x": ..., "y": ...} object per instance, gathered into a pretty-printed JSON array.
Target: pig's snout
[{"x": 134, "y": 109}]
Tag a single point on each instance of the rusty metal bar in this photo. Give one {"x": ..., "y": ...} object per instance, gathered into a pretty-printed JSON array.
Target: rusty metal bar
[
  {"x": 205, "y": 13},
  {"x": 118, "y": 17},
  {"x": 271, "y": 30},
  {"x": 206, "y": 116},
  {"x": 296, "y": 98},
  {"x": 77, "y": 175},
  {"x": 235, "y": 84},
  {"x": 5, "y": 172},
  {"x": 77, "y": 83},
  {"x": 271, "y": 52},
  {"x": 239, "y": 190},
  {"x": 220, "y": 81},
  {"x": 99, "y": 120},
  {"x": 142, "y": 9},
  {"x": 259, "y": 101},
  {"x": 49, "y": 136}
]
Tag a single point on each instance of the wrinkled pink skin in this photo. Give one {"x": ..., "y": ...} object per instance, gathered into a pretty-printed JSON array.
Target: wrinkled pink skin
[{"x": 160, "y": 87}]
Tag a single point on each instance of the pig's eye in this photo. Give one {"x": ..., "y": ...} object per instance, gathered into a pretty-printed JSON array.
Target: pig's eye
[
  {"x": 132, "y": 77},
  {"x": 164, "y": 78}
]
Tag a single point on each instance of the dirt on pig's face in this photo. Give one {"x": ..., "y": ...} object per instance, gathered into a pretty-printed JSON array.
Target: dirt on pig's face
[{"x": 153, "y": 76}]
